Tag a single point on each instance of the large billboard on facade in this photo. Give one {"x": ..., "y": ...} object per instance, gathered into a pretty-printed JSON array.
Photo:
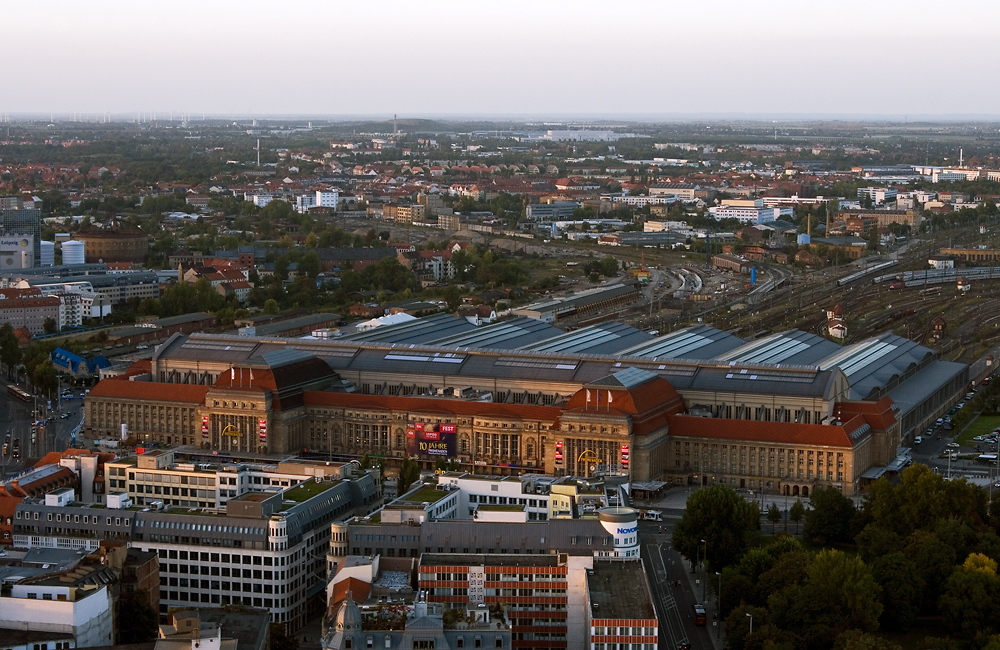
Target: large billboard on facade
[{"x": 428, "y": 440}]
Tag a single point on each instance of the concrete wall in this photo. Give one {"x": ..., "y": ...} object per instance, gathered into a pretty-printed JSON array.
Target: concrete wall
[{"x": 90, "y": 620}]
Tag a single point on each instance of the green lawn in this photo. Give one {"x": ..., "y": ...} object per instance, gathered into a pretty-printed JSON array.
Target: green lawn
[{"x": 979, "y": 427}]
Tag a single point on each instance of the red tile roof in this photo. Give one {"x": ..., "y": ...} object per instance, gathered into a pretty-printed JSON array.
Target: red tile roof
[
  {"x": 878, "y": 415},
  {"x": 650, "y": 404},
  {"x": 359, "y": 591},
  {"x": 148, "y": 390},
  {"x": 786, "y": 433}
]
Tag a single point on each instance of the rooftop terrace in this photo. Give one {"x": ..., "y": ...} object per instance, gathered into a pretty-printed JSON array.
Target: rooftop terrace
[{"x": 307, "y": 490}]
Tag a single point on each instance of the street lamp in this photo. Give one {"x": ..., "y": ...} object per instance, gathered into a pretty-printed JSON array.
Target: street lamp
[
  {"x": 751, "y": 623},
  {"x": 706, "y": 572}
]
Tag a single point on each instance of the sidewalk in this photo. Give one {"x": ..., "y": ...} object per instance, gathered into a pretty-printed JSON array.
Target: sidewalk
[{"x": 710, "y": 602}]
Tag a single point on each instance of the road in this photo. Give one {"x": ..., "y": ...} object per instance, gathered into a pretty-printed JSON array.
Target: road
[
  {"x": 16, "y": 418},
  {"x": 674, "y": 588}
]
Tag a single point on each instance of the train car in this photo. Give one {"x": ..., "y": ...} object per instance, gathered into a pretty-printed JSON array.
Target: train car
[
  {"x": 930, "y": 291},
  {"x": 897, "y": 285}
]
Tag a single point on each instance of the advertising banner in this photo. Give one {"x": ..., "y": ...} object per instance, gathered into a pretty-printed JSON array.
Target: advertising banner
[{"x": 427, "y": 440}]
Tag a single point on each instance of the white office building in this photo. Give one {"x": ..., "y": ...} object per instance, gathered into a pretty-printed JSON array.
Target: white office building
[
  {"x": 750, "y": 214},
  {"x": 327, "y": 198},
  {"x": 878, "y": 195},
  {"x": 305, "y": 201}
]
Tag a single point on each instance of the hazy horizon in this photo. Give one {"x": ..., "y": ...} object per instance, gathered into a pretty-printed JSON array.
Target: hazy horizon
[{"x": 643, "y": 61}]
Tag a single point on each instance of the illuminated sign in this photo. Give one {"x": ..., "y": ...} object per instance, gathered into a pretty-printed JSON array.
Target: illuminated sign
[
  {"x": 263, "y": 429},
  {"x": 204, "y": 427},
  {"x": 430, "y": 440},
  {"x": 559, "y": 452},
  {"x": 624, "y": 455}
]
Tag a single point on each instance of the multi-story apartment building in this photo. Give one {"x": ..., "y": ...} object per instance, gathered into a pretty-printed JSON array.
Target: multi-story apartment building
[
  {"x": 264, "y": 550},
  {"x": 533, "y": 588},
  {"x": 683, "y": 191},
  {"x": 544, "y": 590},
  {"x": 620, "y": 610},
  {"x": 404, "y": 213},
  {"x": 30, "y": 312},
  {"x": 882, "y": 218},
  {"x": 751, "y": 214}
]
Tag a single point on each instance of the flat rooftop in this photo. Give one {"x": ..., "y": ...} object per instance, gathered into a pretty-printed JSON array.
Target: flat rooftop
[
  {"x": 305, "y": 491},
  {"x": 616, "y": 591},
  {"x": 424, "y": 495},
  {"x": 481, "y": 559}
]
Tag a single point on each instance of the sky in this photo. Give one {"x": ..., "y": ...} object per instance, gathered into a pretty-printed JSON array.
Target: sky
[{"x": 540, "y": 58}]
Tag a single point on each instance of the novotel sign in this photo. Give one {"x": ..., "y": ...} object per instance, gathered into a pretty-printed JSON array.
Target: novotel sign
[{"x": 627, "y": 531}]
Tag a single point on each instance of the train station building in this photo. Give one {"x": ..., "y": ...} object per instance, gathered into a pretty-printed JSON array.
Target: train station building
[{"x": 787, "y": 412}]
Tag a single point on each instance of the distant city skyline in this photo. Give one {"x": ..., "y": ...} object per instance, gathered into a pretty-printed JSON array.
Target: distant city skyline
[{"x": 645, "y": 61}]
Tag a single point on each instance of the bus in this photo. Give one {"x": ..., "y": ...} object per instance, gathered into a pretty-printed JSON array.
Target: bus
[
  {"x": 699, "y": 615},
  {"x": 651, "y": 515},
  {"x": 19, "y": 393}
]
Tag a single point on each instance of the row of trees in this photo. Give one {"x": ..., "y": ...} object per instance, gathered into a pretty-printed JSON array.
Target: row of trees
[
  {"x": 926, "y": 547},
  {"x": 33, "y": 363}
]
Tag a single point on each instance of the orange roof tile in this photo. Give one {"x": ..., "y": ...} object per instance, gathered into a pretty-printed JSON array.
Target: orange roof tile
[
  {"x": 157, "y": 391},
  {"x": 790, "y": 433},
  {"x": 359, "y": 591},
  {"x": 878, "y": 415}
]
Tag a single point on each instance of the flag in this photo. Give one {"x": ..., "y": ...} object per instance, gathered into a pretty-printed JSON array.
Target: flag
[
  {"x": 251, "y": 374},
  {"x": 588, "y": 396},
  {"x": 609, "y": 397},
  {"x": 598, "y": 398},
  {"x": 232, "y": 374}
]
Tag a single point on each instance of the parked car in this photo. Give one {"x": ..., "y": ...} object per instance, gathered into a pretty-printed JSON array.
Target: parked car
[{"x": 918, "y": 440}]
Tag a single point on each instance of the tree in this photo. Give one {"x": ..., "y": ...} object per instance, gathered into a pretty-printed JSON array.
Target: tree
[
  {"x": 797, "y": 512},
  {"x": 409, "y": 472},
  {"x": 309, "y": 265},
  {"x": 276, "y": 210},
  {"x": 839, "y": 594},
  {"x": 726, "y": 522},
  {"x": 281, "y": 268},
  {"x": 968, "y": 603},
  {"x": 453, "y": 297},
  {"x": 902, "y": 589},
  {"x": 279, "y": 638},
  {"x": 50, "y": 326},
  {"x": 137, "y": 621},
  {"x": 271, "y": 306},
  {"x": 773, "y": 516},
  {"x": 829, "y": 519},
  {"x": 858, "y": 640},
  {"x": 10, "y": 351}
]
